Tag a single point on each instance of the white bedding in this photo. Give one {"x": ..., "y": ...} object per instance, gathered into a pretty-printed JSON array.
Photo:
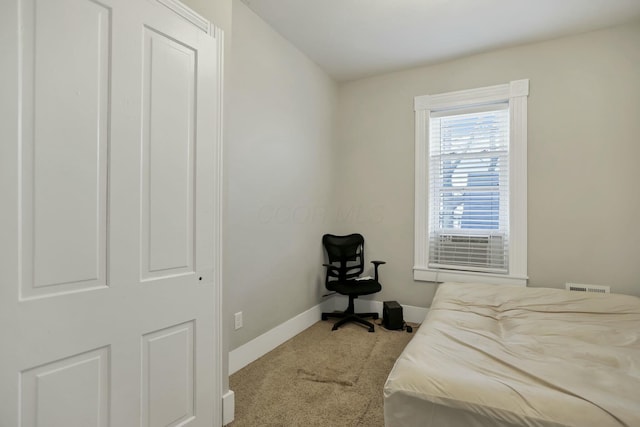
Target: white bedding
[{"x": 501, "y": 356}]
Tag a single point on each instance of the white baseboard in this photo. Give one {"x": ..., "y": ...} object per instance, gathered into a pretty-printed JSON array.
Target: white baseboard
[
  {"x": 410, "y": 313},
  {"x": 258, "y": 347},
  {"x": 414, "y": 314},
  {"x": 228, "y": 407}
]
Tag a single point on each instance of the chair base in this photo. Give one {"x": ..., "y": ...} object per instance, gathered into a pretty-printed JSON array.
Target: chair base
[{"x": 351, "y": 317}]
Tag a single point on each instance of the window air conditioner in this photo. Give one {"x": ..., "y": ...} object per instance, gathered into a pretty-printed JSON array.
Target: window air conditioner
[{"x": 481, "y": 251}]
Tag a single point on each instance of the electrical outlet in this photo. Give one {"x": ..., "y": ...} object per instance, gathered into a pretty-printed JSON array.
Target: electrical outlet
[{"x": 238, "y": 320}]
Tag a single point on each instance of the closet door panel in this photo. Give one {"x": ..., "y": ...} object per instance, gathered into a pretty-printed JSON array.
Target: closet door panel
[
  {"x": 65, "y": 140},
  {"x": 169, "y": 85}
]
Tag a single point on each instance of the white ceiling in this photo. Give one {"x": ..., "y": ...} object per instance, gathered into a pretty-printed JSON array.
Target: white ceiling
[{"x": 355, "y": 38}]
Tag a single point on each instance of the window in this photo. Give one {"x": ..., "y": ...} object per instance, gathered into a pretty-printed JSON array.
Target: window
[{"x": 471, "y": 185}]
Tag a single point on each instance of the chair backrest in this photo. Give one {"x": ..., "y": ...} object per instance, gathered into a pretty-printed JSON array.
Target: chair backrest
[{"x": 347, "y": 252}]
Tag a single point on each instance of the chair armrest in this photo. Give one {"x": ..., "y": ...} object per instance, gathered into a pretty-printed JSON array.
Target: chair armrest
[{"x": 376, "y": 264}]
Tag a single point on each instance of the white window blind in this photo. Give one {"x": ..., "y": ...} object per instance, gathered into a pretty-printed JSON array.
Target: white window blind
[{"x": 469, "y": 189}]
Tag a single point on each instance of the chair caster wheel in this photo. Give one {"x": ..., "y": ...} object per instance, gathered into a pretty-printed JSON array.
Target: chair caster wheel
[
  {"x": 335, "y": 328},
  {"x": 324, "y": 316},
  {"x": 375, "y": 316},
  {"x": 371, "y": 329}
]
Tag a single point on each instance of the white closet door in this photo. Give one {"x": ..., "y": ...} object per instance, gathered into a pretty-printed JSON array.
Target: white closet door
[{"x": 109, "y": 226}]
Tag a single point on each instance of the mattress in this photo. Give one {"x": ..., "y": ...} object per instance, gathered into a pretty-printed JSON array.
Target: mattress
[{"x": 503, "y": 356}]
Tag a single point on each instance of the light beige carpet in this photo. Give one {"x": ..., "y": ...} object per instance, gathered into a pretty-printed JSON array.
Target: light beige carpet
[{"x": 319, "y": 378}]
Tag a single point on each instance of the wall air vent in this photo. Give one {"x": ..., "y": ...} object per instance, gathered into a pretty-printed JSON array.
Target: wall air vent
[{"x": 579, "y": 287}]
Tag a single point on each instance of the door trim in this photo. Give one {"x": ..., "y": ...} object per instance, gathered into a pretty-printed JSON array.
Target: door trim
[
  {"x": 217, "y": 229},
  {"x": 190, "y": 15}
]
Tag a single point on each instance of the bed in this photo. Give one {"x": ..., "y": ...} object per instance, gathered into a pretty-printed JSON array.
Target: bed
[{"x": 502, "y": 356}]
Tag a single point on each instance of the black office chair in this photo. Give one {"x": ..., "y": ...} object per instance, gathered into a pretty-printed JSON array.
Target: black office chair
[{"x": 346, "y": 264}]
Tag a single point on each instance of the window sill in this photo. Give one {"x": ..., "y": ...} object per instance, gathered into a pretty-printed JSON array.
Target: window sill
[{"x": 428, "y": 275}]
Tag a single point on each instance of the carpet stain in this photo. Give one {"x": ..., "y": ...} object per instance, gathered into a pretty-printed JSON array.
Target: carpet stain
[{"x": 303, "y": 374}]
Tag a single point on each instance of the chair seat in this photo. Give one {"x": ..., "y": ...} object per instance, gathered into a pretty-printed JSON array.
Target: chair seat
[{"x": 355, "y": 287}]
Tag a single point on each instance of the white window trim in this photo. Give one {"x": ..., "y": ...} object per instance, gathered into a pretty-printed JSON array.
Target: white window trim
[{"x": 516, "y": 93}]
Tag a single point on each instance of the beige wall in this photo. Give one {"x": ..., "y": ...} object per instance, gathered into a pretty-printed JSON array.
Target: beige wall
[
  {"x": 289, "y": 180},
  {"x": 278, "y": 167},
  {"x": 583, "y": 158}
]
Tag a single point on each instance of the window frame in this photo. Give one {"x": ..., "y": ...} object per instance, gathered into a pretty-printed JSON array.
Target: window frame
[{"x": 516, "y": 94}]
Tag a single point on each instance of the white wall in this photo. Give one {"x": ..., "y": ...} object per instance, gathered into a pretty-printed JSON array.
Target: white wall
[
  {"x": 583, "y": 158},
  {"x": 278, "y": 167}
]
